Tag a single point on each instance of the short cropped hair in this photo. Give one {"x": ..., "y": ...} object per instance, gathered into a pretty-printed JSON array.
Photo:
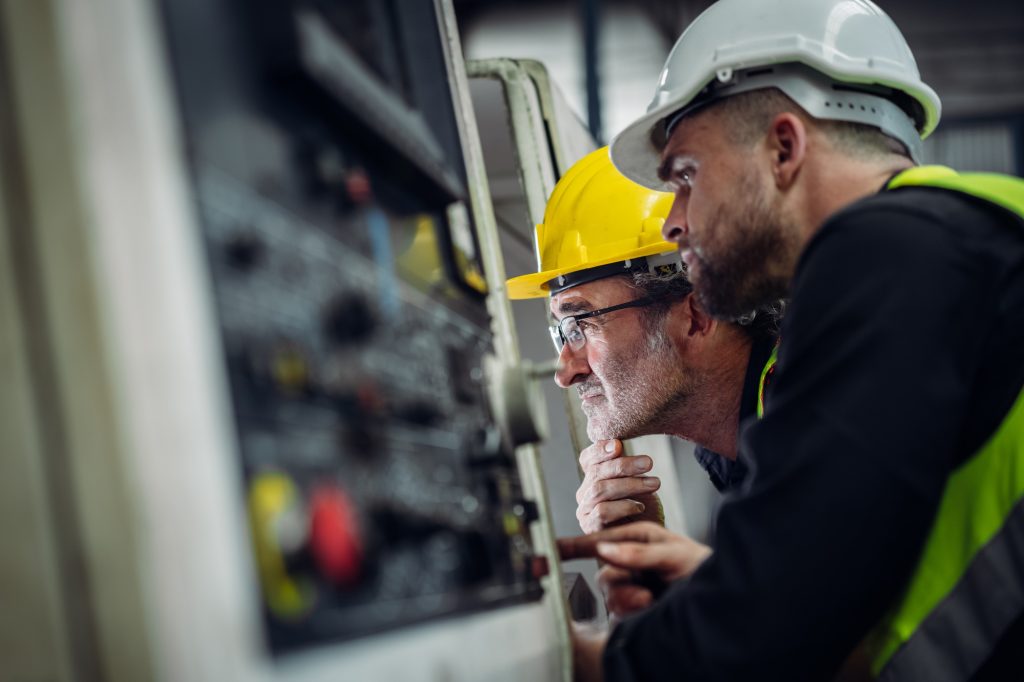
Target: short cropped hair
[
  {"x": 761, "y": 324},
  {"x": 748, "y": 115}
]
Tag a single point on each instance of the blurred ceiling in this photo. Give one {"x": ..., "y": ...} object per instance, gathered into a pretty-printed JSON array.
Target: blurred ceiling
[{"x": 971, "y": 53}]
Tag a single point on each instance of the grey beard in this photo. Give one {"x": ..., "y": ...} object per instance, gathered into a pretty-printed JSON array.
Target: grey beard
[{"x": 637, "y": 409}]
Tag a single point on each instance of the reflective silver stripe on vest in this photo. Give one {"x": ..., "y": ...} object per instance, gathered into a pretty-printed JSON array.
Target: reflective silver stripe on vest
[{"x": 961, "y": 632}]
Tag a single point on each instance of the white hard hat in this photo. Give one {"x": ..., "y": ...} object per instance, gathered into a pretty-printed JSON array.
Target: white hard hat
[{"x": 843, "y": 60}]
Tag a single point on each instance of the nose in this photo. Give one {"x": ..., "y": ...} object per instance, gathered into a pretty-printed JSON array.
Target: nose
[
  {"x": 573, "y": 366},
  {"x": 676, "y": 229}
]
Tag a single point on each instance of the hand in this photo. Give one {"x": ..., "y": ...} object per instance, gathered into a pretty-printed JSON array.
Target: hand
[
  {"x": 613, "y": 489},
  {"x": 588, "y": 642},
  {"x": 629, "y": 550}
]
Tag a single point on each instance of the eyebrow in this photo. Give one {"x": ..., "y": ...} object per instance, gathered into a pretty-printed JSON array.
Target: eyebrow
[
  {"x": 665, "y": 169},
  {"x": 574, "y": 306}
]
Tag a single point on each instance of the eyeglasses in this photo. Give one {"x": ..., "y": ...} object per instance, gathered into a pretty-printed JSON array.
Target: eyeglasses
[{"x": 568, "y": 330}]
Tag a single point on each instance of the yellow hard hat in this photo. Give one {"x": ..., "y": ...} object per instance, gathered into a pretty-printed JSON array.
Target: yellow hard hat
[{"x": 597, "y": 223}]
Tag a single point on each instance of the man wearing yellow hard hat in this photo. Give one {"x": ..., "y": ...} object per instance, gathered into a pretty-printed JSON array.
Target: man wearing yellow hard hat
[{"x": 643, "y": 355}]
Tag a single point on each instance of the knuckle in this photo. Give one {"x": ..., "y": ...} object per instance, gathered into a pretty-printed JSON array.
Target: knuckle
[{"x": 612, "y": 469}]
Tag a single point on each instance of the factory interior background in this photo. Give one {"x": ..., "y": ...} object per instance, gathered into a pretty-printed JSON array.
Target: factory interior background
[{"x": 261, "y": 417}]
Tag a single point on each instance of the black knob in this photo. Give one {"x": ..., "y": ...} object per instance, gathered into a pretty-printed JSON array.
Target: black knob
[
  {"x": 349, "y": 319},
  {"x": 525, "y": 510},
  {"x": 244, "y": 251}
]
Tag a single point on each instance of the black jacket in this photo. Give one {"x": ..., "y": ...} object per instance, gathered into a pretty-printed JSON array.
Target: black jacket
[{"x": 903, "y": 349}]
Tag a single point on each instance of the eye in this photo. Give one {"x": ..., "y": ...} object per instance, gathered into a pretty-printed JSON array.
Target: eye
[
  {"x": 684, "y": 176},
  {"x": 680, "y": 177}
]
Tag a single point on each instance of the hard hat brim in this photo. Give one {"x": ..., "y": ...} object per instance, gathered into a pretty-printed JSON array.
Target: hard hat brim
[
  {"x": 534, "y": 284},
  {"x": 635, "y": 155},
  {"x": 633, "y": 152}
]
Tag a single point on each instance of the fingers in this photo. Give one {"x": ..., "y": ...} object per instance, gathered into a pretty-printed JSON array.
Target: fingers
[
  {"x": 585, "y": 546},
  {"x": 672, "y": 558},
  {"x": 612, "y": 576},
  {"x": 609, "y": 476},
  {"x": 601, "y": 451},
  {"x": 617, "y": 489},
  {"x": 606, "y": 502},
  {"x": 593, "y": 518},
  {"x": 622, "y": 596},
  {"x": 588, "y": 644},
  {"x": 620, "y": 467},
  {"x": 622, "y": 600}
]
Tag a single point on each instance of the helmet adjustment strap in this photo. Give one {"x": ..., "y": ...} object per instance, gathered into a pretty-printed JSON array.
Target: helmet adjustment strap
[
  {"x": 819, "y": 95},
  {"x": 657, "y": 264}
]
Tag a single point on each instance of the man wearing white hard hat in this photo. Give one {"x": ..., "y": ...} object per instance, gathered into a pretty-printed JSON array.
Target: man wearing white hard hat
[{"x": 883, "y": 514}]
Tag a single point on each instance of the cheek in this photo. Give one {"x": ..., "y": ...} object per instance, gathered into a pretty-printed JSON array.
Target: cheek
[
  {"x": 697, "y": 207},
  {"x": 597, "y": 353}
]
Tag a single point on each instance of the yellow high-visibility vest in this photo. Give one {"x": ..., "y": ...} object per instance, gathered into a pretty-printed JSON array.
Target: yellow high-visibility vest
[
  {"x": 766, "y": 373},
  {"x": 968, "y": 585}
]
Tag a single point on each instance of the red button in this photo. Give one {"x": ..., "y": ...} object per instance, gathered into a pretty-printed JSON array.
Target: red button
[{"x": 334, "y": 536}]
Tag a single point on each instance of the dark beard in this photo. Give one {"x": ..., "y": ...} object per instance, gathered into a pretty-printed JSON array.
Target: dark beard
[{"x": 741, "y": 277}]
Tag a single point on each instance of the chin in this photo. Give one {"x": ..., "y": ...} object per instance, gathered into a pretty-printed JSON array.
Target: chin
[{"x": 598, "y": 431}]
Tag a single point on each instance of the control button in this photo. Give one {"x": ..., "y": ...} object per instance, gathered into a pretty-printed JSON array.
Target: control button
[
  {"x": 244, "y": 251},
  {"x": 419, "y": 412},
  {"x": 335, "y": 542},
  {"x": 348, "y": 319},
  {"x": 273, "y": 502},
  {"x": 526, "y": 510},
  {"x": 513, "y": 524},
  {"x": 358, "y": 186},
  {"x": 484, "y": 449},
  {"x": 290, "y": 368}
]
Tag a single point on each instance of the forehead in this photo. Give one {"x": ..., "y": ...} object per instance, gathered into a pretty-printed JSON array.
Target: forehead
[
  {"x": 693, "y": 135},
  {"x": 591, "y": 296}
]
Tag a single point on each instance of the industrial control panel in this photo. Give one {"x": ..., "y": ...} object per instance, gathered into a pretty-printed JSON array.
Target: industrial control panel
[{"x": 350, "y": 297}]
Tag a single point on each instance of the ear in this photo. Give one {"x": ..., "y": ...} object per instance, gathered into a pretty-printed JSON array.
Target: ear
[
  {"x": 787, "y": 143},
  {"x": 701, "y": 323}
]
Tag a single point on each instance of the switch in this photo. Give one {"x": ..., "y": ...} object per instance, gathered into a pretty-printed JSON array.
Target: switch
[
  {"x": 334, "y": 538},
  {"x": 273, "y": 500}
]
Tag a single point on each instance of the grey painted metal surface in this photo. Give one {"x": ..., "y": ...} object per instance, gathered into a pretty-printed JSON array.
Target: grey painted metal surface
[{"x": 166, "y": 586}]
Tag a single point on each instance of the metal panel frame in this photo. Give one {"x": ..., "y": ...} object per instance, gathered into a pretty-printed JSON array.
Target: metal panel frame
[{"x": 168, "y": 582}]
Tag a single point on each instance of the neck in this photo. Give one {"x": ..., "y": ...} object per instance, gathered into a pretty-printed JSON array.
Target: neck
[
  {"x": 836, "y": 180},
  {"x": 713, "y": 420}
]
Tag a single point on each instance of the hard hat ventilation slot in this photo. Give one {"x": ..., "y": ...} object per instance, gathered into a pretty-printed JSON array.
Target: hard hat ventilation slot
[{"x": 910, "y": 106}]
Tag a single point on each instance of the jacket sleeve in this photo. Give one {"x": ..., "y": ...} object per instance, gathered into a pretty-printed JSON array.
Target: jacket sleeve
[{"x": 878, "y": 352}]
